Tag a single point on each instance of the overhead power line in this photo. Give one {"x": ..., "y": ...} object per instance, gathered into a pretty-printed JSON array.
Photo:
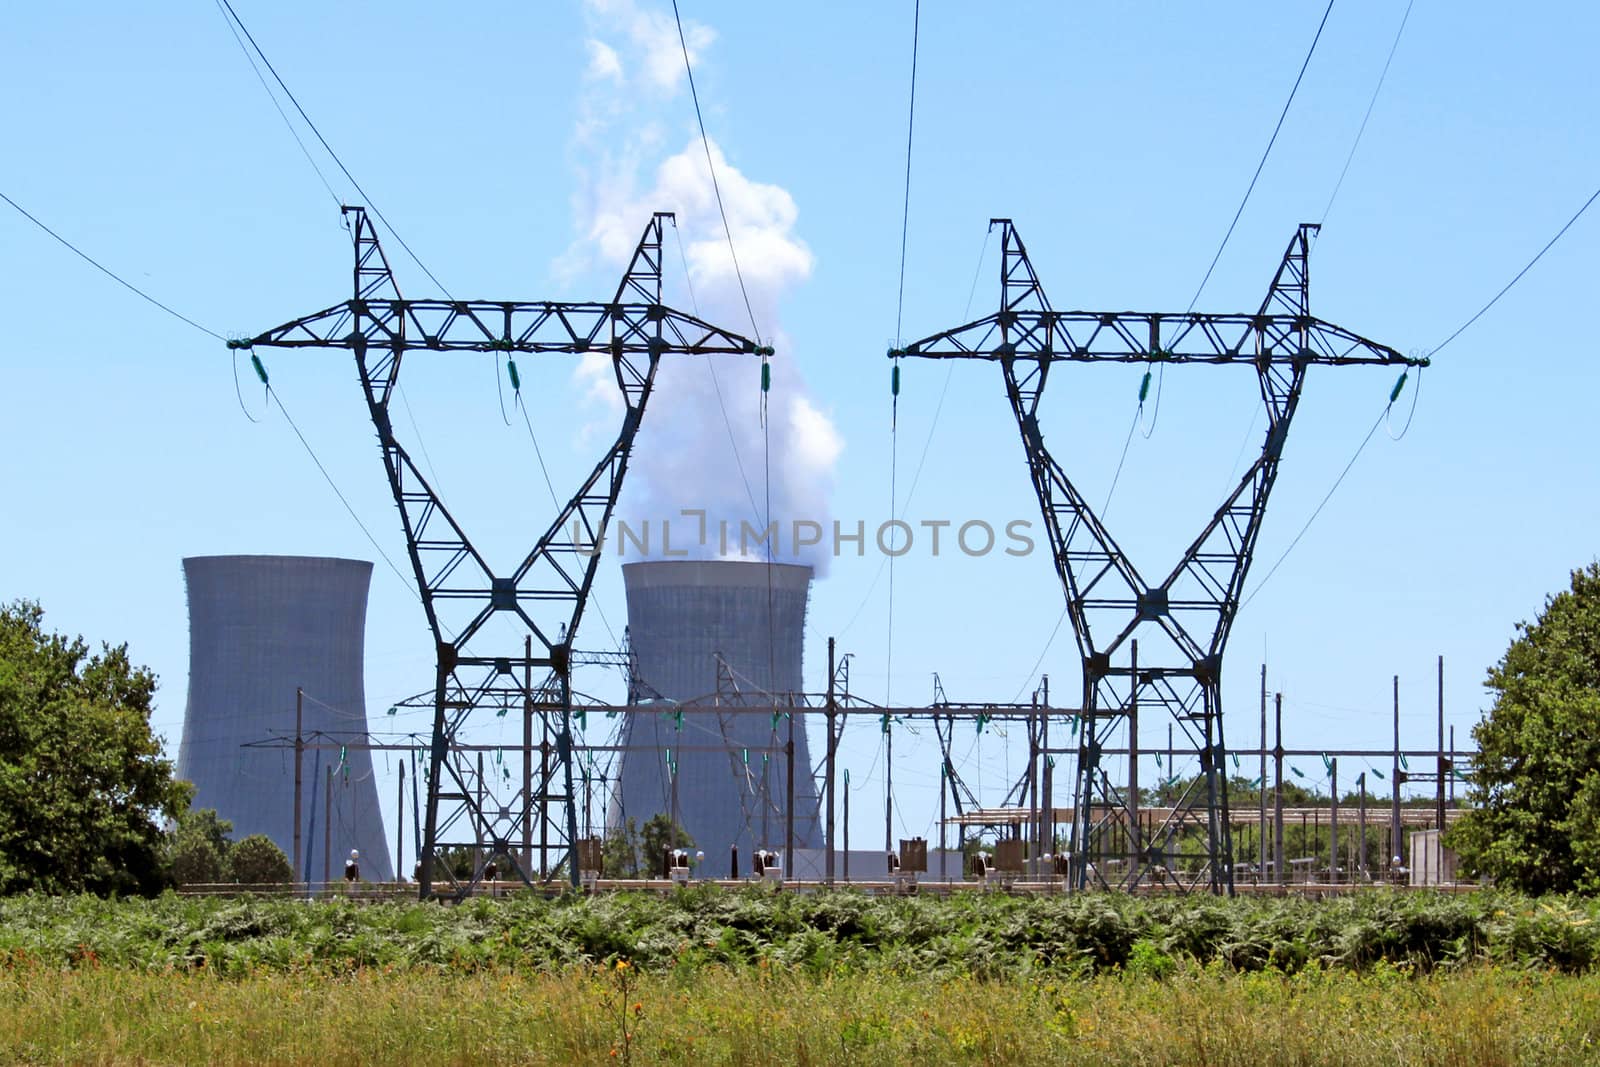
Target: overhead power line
[
  {"x": 81, "y": 254},
  {"x": 1437, "y": 349},
  {"x": 1267, "y": 152},
  {"x": 1496, "y": 298},
  {"x": 97, "y": 265},
  {"x": 370, "y": 203},
  {"x": 1370, "y": 104},
  {"x": 716, "y": 187}
]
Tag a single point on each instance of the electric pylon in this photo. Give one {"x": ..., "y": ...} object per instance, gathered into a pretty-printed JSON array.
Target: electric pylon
[
  {"x": 1185, "y": 617},
  {"x": 544, "y": 594}
]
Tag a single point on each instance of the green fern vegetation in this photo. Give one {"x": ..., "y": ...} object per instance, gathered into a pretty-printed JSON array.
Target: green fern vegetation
[{"x": 978, "y": 935}]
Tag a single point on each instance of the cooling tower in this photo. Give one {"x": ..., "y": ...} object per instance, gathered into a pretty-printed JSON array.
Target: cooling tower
[
  {"x": 731, "y": 780},
  {"x": 259, "y": 627}
]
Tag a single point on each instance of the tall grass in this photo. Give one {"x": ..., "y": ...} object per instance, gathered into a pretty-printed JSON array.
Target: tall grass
[{"x": 771, "y": 1015}]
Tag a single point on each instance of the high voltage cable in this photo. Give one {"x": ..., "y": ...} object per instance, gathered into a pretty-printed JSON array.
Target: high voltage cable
[
  {"x": 134, "y": 289},
  {"x": 911, "y": 125},
  {"x": 1262, "y": 164},
  {"x": 1370, "y": 104},
  {"x": 329, "y": 148},
  {"x": 1458, "y": 332},
  {"x": 213, "y": 334},
  {"x": 1496, "y": 298},
  {"x": 927, "y": 443},
  {"x": 894, "y": 399},
  {"x": 766, "y": 431},
  {"x": 716, "y": 384},
  {"x": 255, "y": 69},
  {"x": 716, "y": 188},
  {"x": 1161, "y": 374},
  {"x": 1322, "y": 504}
]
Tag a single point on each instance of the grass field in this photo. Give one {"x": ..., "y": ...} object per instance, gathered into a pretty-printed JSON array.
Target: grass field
[
  {"x": 761, "y": 1015},
  {"x": 762, "y": 978}
]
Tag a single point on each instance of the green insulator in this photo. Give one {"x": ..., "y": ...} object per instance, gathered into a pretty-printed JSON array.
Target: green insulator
[
  {"x": 1394, "y": 394},
  {"x": 1377, "y": 772},
  {"x": 261, "y": 372},
  {"x": 894, "y": 381},
  {"x": 766, "y": 376},
  {"x": 847, "y": 777},
  {"x": 746, "y": 753},
  {"x": 516, "y": 379},
  {"x": 677, "y": 720},
  {"x": 1144, "y": 387},
  {"x": 1403, "y": 762}
]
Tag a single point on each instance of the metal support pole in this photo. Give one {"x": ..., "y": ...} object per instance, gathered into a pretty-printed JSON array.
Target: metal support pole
[
  {"x": 788, "y": 804},
  {"x": 832, "y": 757},
  {"x": 1033, "y": 786},
  {"x": 1277, "y": 795},
  {"x": 1261, "y": 783},
  {"x": 1452, "y": 765},
  {"x": 1047, "y": 820},
  {"x": 1440, "y": 763},
  {"x": 400, "y": 827},
  {"x": 847, "y": 824},
  {"x": 888, "y": 785},
  {"x": 299, "y": 753},
  {"x": 1333, "y": 820},
  {"x": 1361, "y": 861},
  {"x": 327, "y": 830},
  {"x": 1396, "y": 858},
  {"x": 1135, "y": 849},
  {"x": 478, "y": 856},
  {"x": 530, "y": 810}
]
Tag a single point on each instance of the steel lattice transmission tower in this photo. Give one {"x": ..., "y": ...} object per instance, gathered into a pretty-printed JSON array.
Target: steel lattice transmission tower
[
  {"x": 1185, "y": 616},
  {"x": 480, "y": 667}
]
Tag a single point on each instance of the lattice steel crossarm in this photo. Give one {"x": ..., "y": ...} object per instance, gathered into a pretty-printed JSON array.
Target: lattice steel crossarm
[
  {"x": 1153, "y": 337},
  {"x": 498, "y": 326},
  {"x": 546, "y": 592}
]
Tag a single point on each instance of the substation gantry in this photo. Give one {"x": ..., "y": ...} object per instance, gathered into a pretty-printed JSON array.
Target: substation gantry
[
  {"x": 543, "y": 595},
  {"x": 1185, "y": 616}
]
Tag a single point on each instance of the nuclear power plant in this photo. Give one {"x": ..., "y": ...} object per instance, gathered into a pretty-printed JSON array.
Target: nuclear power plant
[
  {"x": 708, "y": 637},
  {"x": 261, "y": 627}
]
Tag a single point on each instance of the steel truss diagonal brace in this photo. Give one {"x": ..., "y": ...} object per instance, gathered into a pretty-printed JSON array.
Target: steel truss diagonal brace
[
  {"x": 548, "y": 589},
  {"x": 1192, "y": 608}
]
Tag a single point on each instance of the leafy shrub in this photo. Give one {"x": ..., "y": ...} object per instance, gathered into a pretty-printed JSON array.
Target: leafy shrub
[{"x": 257, "y": 860}]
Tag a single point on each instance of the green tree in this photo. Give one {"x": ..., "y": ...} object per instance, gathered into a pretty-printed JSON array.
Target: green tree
[
  {"x": 199, "y": 847},
  {"x": 619, "y": 853},
  {"x": 661, "y": 833},
  {"x": 84, "y": 789},
  {"x": 257, "y": 860},
  {"x": 1535, "y": 782}
]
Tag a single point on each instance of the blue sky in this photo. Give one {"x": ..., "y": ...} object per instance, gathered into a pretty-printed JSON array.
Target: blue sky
[{"x": 514, "y": 155}]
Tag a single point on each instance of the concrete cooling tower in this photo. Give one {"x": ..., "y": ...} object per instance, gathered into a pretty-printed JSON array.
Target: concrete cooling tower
[
  {"x": 259, "y": 627},
  {"x": 681, "y": 615}
]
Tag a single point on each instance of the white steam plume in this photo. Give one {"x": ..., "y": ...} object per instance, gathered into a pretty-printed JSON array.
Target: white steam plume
[{"x": 699, "y": 450}]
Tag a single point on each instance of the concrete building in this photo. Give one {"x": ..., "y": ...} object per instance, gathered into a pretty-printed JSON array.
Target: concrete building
[
  {"x": 259, "y": 627},
  {"x": 731, "y": 783}
]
